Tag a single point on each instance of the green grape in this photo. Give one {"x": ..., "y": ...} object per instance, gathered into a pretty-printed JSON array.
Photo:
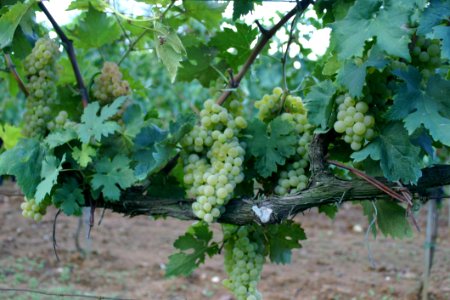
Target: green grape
[
  {"x": 354, "y": 122},
  {"x": 40, "y": 67},
  {"x": 213, "y": 160},
  {"x": 109, "y": 84},
  {"x": 426, "y": 55},
  {"x": 32, "y": 210},
  {"x": 243, "y": 261}
]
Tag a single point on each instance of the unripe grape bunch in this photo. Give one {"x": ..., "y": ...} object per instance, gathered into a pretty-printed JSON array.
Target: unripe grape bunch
[
  {"x": 294, "y": 178},
  {"x": 60, "y": 121},
  {"x": 426, "y": 54},
  {"x": 243, "y": 262},
  {"x": 40, "y": 68},
  {"x": 354, "y": 122},
  {"x": 32, "y": 210},
  {"x": 109, "y": 84},
  {"x": 213, "y": 160}
]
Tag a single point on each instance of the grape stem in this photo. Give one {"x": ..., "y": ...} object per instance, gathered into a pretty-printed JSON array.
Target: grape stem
[
  {"x": 13, "y": 70},
  {"x": 68, "y": 45},
  {"x": 266, "y": 36}
]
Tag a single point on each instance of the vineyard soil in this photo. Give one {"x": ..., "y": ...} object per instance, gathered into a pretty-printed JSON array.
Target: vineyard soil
[{"x": 128, "y": 256}]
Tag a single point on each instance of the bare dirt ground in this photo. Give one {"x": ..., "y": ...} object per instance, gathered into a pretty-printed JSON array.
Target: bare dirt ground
[{"x": 127, "y": 260}]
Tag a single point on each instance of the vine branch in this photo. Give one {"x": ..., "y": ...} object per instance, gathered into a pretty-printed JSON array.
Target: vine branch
[
  {"x": 68, "y": 45},
  {"x": 265, "y": 37},
  {"x": 13, "y": 70}
]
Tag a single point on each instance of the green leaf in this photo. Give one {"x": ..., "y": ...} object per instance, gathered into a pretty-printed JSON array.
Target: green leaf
[
  {"x": 20, "y": 161},
  {"x": 270, "y": 144},
  {"x": 399, "y": 158},
  {"x": 319, "y": 103},
  {"x": 10, "y": 135},
  {"x": 391, "y": 218},
  {"x": 169, "y": 49},
  {"x": 163, "y": 186},
  {"x": 330, "y": 210},
  {"x": 60, "y": 137},
  {"x": 243, "y": 7},
  {"x": 99, "y": 5},
  {"x": 84, "y": 155},
  {"x": 69, "y": 198},
  {"x": 112, "y": 174},
  {"x": 433, "y": 15},
  {"x": 49, "y": 172},
  {"x": 418, "y": 107},
  {"x": 372, "y": 18},
  {"x": 353, "y": 76},
  {"x": 198, "y": 65},
  {"x": 144, "y": 146},
  {"x": 239, "y": 40},
  {"x": 282, "y": 239},
  {"x": 95, "y": 30},
  {"x": 193, "y": 246},
  {"x": 10, "y": 20},
  {"x": 208, "y": 13},
  {"x": 443, "y": 32},
  {"x": 94, "y": 125}
]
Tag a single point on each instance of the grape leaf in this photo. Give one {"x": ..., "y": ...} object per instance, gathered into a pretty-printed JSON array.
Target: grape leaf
[
  {"x": 95, "y": 30},
  {"x": 112, "y": 174},
  {"x": 99, "y": 5},
  {"x": 239, "y": 40},
  {"x": 282, "y": 239},
  {"x": 418, "y": 107},
  {"x": 20, "y": 161},
  {"x": 353, "y": 76},
  {"x": 169, "y": 49},
  {"x": 319, "y": 103},
  {"x": 49, "y": 172},
  {"x": 94, "y": 125},
  {"x": 369, "y": 18},
  {"x": 198, "y": 244},
  {"x": 163, "y": 186},
  {"x": 399, "y": 158},
  {"x": 270, "y": 144},
  {"x": 84, "y": 155},
  {"x": 208, "y": 13},
  {"x": 69, "y": 198},
  {"x": 198, "y": 65},
  {"x": 155, "y": 148},
  {"x": 10, "y": 135},
  {"x": 433, "y": 15},
  {"x": 60, "y": 137},
  {"x": 391, "y": 218},
  {"x": 443, "y": 32},
  {"x": 330, "y": 210},
  {"x": 243, "y": 7},
  {"x": 10, "y": 20}
]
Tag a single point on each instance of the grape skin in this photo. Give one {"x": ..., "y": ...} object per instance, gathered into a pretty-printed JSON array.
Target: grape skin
[{"x": 426, "y": 55}]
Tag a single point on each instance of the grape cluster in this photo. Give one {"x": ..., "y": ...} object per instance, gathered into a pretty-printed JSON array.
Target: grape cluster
[
  {"x": 109, "y": 84},
  {"x": 32, "y": 210},
  {"x": 60, "y": 121},
  {"x": 40, "y": 68},
  {"x": 213, "y": 160},
  {"x": 243, "y": 263},
  {"x": 354, "y": 122},
  {"x": 426, "y": 54},
  {"x": 294, "y": 178}
]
